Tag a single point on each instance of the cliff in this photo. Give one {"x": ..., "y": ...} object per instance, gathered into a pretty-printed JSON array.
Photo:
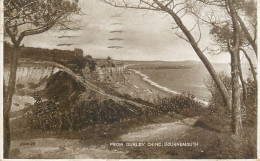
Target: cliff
[{"x": 31, "y": 73}]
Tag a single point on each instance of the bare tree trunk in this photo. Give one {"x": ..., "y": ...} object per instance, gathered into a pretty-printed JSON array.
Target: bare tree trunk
[
  {"x": 251, "y": 65},
  {"x": 242, "y": 80},
  {"x": 234, "y": 51},
  {"x": 8, "y": 101},
  {"x": 222, "y": 89},
  {"x": 236, "y": 105}
]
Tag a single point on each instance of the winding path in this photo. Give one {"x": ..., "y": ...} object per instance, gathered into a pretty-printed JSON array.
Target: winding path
[
  {"x": 50, "y": 148},
  {"x": 159, "y": 132}
]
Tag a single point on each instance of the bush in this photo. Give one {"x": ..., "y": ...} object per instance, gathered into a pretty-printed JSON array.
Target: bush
[
  {"x": 184, "y": 105},
  {"x": 216, "y": 103},
  {"x": 222, "y": 118},
  {"x": 51, "y": 116},
  {"x": 44, "y": 115},
  {"x": 248, "y": 107}
]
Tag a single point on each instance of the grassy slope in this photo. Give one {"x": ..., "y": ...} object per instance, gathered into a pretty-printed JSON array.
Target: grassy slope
[{"x": 212, "y": 134}]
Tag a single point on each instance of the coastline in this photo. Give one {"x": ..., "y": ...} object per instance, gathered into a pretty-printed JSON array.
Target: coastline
[{"x": 146, "y": 79}]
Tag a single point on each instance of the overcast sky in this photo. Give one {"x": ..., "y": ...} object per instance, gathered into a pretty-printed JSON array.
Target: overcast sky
[{"x": 145, "y": 35}]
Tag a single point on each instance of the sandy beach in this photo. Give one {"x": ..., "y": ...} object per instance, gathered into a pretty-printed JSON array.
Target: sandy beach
[
  {"x": 136, "y": 87},
  {"x": 141, "y": 86}
]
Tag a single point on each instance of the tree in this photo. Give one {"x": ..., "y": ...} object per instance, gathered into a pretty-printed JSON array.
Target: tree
[
  {"x": 246, "y": 13},
  {"x": 222, "y": 34},
  {"x": 252, "y": 68},
  {"x": 177, "y": 9},
  {"x": 24, "y": 18},
  {"x": 110, "y": 65},
  {"x": 249, "y": 7},
  {"x": 223, "y": 30},
  {"x": 234, "y": 51},
  {"x": 232, "y": 37},
  {"x": 91, "y": 63}
]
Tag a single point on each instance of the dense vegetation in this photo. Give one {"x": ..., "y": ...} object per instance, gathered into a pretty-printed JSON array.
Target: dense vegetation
[
  {"x": 63, "y": 111},
  {"x": 72, "y": 59},
  {"x": 218, "y": 140},
  {"x": 249, "y": 104},
  {"x": 180, "y": 104},
  {"x": 51, "y": 115}
]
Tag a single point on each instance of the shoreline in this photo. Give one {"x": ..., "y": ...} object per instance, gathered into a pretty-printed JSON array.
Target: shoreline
[{"x": 146, "y": 79}]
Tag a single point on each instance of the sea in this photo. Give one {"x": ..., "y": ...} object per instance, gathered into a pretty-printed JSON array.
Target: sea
[{"x": 182, "y": 77}]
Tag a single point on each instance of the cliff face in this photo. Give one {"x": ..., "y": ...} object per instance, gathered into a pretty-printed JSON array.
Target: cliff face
[{"x": 30, "y": 73}]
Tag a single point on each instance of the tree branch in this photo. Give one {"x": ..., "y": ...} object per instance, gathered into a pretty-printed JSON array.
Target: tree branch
[{"x": 250, "y": 63}]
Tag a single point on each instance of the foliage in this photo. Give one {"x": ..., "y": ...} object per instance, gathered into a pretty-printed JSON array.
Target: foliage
[
  {"x": 91, "y": 63},
  {"x": 250, "y": 108},
  {"x": 29, "y": 17},
  {"x": 24, "y": 18},
  {"x": 217, "y": 107},
  {"x": 44, "y": 115},
  {"x": 72, "y": 59},
  {"x": 180, "y": 104},
  {"x": 249, "y": 7},
  {"x": 223, "y": 33},
  {"x": 65, "y": 86},
  {"x": 52, "y": 115},
  {"x": 217, "y": 104}
]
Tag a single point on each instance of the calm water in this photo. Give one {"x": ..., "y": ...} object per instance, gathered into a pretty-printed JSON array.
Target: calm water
[{"x": 191, "y": 80}]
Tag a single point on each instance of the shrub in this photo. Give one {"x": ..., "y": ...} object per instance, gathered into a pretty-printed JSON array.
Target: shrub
[
  {"x": 44, "y": 115},
  {"x": 249, "y": 115},
  {"x": 184, "y": 105},
  {"x": 248, "y": 107},
  {"x": 216, "y": 103},
  {"x": 51, "y": 116}
]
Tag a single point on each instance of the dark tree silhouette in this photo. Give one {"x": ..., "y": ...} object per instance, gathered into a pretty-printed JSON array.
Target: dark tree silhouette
[
  {"x": 91, "y": 63},
  {"x": 24, "y": 18}
]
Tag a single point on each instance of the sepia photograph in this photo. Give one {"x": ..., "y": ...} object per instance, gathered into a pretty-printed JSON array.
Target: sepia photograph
[{"x": 129, "y": 79}]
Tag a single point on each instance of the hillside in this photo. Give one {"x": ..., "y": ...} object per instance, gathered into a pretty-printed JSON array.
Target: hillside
[
  {"x": 72, "y": 93},
  {"x": 63, "y": 110},
  {"x": 71, "y": 59}
]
